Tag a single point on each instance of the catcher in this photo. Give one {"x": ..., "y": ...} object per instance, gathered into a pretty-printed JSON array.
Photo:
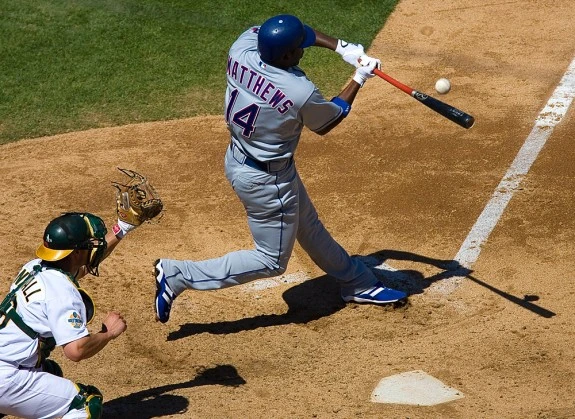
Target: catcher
[{"x": 46, "y": 307}]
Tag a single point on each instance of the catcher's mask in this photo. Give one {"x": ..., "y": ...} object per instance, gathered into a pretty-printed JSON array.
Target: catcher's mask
[{"x": 71, "y": 231}]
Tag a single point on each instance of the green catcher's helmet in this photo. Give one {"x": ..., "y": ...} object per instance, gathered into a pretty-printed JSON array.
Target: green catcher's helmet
[{"x": 71, "y": 231}]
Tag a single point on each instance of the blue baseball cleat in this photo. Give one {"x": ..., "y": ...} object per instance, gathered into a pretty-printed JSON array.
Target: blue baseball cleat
[
  {"x": 378, "y": 294},
  {"x": 164, "y": 294}
]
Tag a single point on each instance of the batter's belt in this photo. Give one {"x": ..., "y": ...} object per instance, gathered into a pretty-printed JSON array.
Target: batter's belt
[{"x": 266, "y": 166}]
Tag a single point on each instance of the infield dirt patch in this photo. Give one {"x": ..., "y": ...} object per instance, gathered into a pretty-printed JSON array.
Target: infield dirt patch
[{"x": 395, "y": 183}]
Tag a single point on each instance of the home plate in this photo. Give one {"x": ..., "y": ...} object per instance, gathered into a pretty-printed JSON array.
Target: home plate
[{"x": 414, "y": 387}]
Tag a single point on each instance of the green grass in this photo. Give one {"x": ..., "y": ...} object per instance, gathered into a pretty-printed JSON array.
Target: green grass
[{"x": 68, "y": 65}]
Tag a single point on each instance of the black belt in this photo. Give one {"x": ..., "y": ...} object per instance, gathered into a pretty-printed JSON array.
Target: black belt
[{"x": 266, "y": 166}]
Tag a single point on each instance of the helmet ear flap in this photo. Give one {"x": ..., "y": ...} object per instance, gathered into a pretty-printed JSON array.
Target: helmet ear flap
[{"x": 96, "y": 226}]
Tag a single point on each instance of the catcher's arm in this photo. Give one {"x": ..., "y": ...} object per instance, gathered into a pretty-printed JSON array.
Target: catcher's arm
[{"x": 136, "y": 202}]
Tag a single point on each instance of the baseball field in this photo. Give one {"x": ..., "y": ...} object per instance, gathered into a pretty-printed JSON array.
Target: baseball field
[{"x": 413, "y": 193}]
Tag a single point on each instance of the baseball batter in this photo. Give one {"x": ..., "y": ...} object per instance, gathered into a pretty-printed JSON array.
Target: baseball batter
[
  {"x": 46, "y": 308},
  {"x": 268, "y": 102}
]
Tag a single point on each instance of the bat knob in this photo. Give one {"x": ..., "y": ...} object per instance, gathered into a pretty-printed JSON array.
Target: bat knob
[{"x": 468, "y": 122}]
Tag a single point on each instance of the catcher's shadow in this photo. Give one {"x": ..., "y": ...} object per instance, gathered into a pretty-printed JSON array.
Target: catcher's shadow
[
  {"x": 320, "y": 297},
  {"x": 154, "y": 402}
]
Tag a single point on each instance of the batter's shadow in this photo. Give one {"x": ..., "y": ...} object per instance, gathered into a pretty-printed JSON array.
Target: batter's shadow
[
  {"x": 414, "y": 282},
  {"x": 154, "y": 402},
  {"x": 411, "y": 281},
  {"x": 307, "y": 301},
  {"x": 320, "y": 297}
]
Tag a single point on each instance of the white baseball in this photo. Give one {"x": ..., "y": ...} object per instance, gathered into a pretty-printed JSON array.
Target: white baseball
[{"x": 442, "y": 86}]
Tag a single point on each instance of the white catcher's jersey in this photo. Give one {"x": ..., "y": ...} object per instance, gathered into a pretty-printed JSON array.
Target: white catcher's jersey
[
  {"x": 50, "y": 305},
  {"x": 266, "y": 107}
]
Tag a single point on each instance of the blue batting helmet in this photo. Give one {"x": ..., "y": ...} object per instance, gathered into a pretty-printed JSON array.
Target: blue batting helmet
[{"x": 281, "y": 34}]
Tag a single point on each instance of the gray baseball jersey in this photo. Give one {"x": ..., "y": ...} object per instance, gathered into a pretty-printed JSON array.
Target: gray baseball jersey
[{"x": 266, "y": 109}]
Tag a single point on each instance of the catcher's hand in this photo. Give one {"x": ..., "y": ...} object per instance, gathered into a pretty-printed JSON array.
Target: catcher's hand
[{"x": 137, "y": 201}]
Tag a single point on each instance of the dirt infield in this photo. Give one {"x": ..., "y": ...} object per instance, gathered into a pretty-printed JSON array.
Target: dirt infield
[{"x": 395, "y": 183}]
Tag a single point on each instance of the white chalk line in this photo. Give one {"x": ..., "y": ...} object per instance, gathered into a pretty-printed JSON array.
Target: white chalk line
[
  {"x": 551, "y": 114},
  {"x": 299, "y": 277},
  {"x": 264, "y": 284}
]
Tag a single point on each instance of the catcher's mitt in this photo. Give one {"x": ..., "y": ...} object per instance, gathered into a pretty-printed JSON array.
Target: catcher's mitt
[{"x": 137, "y": 201}]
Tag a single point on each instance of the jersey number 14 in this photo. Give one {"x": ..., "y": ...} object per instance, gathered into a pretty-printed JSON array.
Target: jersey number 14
[{"x": 244, "y": 118}]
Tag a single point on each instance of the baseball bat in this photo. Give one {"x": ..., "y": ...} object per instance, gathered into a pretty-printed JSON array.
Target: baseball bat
[{"x": 453, "y": 114}]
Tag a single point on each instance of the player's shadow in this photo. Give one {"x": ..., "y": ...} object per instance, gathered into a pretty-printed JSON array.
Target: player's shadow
[
  {"x": 320, "y": 297},
  {"x": 308, "y": 301},
  {"x": 155, "y": 402},
  {"x": 413, "y": 282}
]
